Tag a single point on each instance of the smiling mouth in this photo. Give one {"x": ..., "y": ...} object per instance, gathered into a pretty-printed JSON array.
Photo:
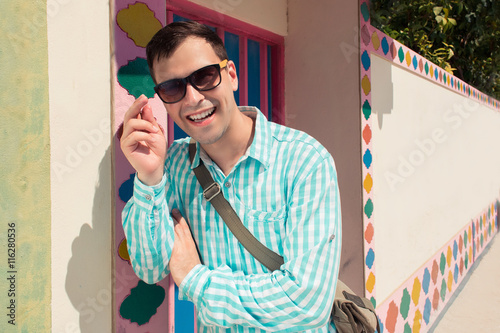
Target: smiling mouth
[{"x": 202, "y": 116}]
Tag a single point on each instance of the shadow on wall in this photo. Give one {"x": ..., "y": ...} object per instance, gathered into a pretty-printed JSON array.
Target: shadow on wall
[
  {"x": 88, "y": 283},
  {"x": 382, "y": 90}
]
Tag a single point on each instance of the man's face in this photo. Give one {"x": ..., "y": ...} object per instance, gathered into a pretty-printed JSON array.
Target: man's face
[{"x": 205, "y": 115}]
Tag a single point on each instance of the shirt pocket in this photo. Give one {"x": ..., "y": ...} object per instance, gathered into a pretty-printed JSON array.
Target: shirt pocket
[{"x": 267, "y": 226}]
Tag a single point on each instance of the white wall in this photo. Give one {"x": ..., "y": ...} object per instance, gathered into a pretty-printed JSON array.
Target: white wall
[
  {"x": 79, "y": 97},
  {"x": 269, "y": 15},
  {"x": 435, "y": 168}
]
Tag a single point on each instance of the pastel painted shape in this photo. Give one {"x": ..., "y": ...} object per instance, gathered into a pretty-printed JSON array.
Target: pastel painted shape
[
  {"x": 123, "y": 250},
  {"x": 401, "y": 54},
  {"x": 369, "y": 233},
  {"x": 365, "y": 11},
  {"x": 385, "y": 45},
  {"x": 450, "y": 281},
  {"x": 142, "y": 303},
  {"x": 126, "y": 189},
  {"x": 394, "y": 50},
  {"x": 370, "y": 258},
  {"x": 442, "y": 263},
  {"x": 367, "y": 110},
  {"x": 426, "y": 281},
  {"x": 367, "y": 158},
  {"x": 392, "y": 317},
  {"x": 427, "y": 311},
  {"x": 443, "y": 289},
  {"x": 139, "y": 22},
  {"x": 417, "y": 322},
  {"x": 415, "y": 62},
  {"x": 136, "y": 79},
  {"x": 405, "y": 304},
  {"x": 365, "y": 60},
  {"x": 368, "y": 183},
  {"x": 435, "y": 299},
  {"x": 434, "y": 272},
  {"x": 366, "y": 85},
  {"x": 369, "y": 208},
  {"x": 367, "y": 134},
  {"x": 415, "y": 292},
  {"x": 408, "y": 58},
  {"x": 375, "y": 41},
  {"x": 449, "y": 256},
  {"x": 365, "y": 35},
  {"x": 370, "y": 282}
]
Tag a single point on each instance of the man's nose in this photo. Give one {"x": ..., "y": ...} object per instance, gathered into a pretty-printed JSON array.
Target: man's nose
[{"x": 193, "y": 96}]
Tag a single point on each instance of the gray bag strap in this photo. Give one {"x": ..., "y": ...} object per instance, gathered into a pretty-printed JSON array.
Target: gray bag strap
[{"x": 212, "y": 193}]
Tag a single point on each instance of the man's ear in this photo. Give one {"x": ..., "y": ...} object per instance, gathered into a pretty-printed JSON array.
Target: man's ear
[{"x": 233, "y": 76}]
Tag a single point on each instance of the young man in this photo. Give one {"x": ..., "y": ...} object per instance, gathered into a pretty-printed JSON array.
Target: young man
[{"x": 281, "y": 183}]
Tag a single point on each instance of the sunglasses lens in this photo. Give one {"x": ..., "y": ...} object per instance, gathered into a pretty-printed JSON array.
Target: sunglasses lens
[
  {"x": 172, "y": 91},
  {"x": 203, "y": 79},
  {"x": 206, "y": 78}
]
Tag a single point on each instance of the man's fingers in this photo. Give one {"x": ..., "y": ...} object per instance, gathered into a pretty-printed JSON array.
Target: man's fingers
[
  {"x": 180, "y": 224},
  {"x": 135, "y": 108},
  {"x": 147, "y": 114},
  {"x": 176, "y": 214},
  {"x": 136, "y": 138},
  {"x": 134, "y": 125}
]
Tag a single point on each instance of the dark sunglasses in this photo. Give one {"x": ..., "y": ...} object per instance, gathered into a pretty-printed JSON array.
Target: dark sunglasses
[{"x": 205, "y": 78}]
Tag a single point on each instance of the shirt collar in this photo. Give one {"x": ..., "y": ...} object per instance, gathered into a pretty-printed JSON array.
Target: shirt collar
[{"x": 258, "y": 150}]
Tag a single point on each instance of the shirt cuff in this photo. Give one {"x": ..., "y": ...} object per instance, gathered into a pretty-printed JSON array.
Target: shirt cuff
[
  {"x": 149, "y": 196},
  {"x": 193, "y": 285}
]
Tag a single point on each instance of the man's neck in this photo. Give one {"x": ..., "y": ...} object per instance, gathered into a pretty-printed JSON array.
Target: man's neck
[{"x": 227, "y": 151}]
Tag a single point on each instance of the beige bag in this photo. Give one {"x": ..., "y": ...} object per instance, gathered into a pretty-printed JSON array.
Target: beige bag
[{"x": 351, "y": 313}]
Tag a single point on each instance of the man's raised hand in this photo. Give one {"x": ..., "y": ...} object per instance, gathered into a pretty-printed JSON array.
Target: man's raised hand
[{"x": 143, "y": 142}]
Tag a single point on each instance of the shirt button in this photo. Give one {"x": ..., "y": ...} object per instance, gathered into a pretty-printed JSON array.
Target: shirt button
[
  {"x": 227, "y": 184},
  {"x": 148, "y": 197},
  {"x": 332, "y": 237}
]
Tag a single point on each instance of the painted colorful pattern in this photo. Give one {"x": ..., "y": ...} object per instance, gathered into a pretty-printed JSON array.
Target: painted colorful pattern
[
  {"x": 368, "y": 204},
  {"x": 414, "y": 306},
  {"x": 417, "y": 303},
  {"x": 139, "y": 307}
]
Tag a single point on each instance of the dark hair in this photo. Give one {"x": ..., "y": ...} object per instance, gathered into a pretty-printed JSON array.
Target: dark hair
[{"x": 168, "y": 38}]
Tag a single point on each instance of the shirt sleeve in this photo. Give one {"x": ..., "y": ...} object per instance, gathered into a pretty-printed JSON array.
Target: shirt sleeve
[
  {"x": 149, "y": 230},
  {"x": 300, "y": 295}
]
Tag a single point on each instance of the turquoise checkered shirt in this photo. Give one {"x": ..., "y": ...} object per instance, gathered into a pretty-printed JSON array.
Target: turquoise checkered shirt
[{"x": 285, "y": 191}]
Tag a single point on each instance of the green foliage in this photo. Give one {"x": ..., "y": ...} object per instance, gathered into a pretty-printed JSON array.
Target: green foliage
[{"x": 462, "y": 37}]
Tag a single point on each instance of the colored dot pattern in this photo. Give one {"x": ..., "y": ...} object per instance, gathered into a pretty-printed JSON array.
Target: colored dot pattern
[
  {"x": 416, "y": 303},
  {"x": 421, "y": 298}
]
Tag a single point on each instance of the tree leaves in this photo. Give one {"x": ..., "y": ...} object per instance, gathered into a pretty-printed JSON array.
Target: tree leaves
[{"x": 462, "y": 37}]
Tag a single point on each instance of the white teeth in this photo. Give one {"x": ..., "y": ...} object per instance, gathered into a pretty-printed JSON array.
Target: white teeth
[{"x": 202, "y": 115}]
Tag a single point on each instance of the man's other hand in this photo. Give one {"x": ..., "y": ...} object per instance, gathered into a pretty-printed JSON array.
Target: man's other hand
[{"x": 184, "y": 254}]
